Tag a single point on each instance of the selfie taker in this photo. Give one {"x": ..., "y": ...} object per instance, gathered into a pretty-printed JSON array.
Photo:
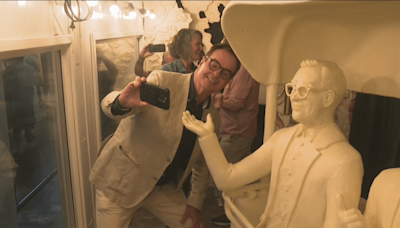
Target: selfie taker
[{"x": 151, "y": 154}]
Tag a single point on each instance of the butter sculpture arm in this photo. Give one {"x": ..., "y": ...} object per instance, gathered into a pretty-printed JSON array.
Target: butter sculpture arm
[
  {"x": 228, "y": 176},
  {"x": 351, "y": 218}
]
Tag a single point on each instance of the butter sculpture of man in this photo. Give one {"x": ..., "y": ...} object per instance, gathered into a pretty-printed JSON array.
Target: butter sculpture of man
[{"x": 310, "y": 163}]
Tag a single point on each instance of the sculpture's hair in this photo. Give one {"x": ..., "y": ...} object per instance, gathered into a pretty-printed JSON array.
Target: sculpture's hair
[
  {"x": 181, "y": 47},
  {"x": 227, "y": 48},
  {"x": 332, "y": 77}
]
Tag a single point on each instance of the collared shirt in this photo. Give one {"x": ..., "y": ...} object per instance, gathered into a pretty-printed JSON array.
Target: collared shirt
[
  {"x": 177, "y": 66},
  {"x": 242, "y": 93},
  {"x": 188, "y": 139}
]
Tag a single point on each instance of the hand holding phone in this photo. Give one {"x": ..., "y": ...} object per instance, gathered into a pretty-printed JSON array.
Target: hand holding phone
[
  {"x": 156, "y": 48},
  {"x": 155, "y": 95}
]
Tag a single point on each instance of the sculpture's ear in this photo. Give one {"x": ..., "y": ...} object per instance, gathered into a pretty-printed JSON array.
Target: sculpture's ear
[{"x": 329, "y": 97}]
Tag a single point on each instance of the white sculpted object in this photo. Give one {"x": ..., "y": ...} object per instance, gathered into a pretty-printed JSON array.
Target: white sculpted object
[
  {"x": 383, "y": 205},
  {"x": 311, "y": 164}
]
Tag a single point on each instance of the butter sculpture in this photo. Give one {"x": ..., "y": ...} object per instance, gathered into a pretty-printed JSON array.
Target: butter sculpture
[{"x": 311, "y": 164}]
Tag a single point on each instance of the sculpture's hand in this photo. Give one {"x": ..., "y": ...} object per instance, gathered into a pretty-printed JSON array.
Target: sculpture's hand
[
  {"x": 197, "y": 126},
  {"x": 349, "y": 218},
  {"x": 130, "y": 96}
]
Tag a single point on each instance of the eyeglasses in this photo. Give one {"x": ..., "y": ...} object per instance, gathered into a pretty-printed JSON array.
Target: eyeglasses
[
  {"x": 303, "y": 91},
  {"x": 215, "y": 65}
]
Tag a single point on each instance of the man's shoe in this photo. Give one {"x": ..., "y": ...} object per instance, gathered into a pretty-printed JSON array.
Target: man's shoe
[{"x": 221, "y": 220}]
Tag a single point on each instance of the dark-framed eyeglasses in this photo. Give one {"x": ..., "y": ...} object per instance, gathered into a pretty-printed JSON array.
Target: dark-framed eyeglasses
[
  {"x": 215, "y": 65},
  {"x": 302, "y": 91}
]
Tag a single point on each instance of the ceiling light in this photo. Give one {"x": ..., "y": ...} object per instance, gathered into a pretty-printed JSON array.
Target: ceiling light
[{"x": 114, "y": 10}]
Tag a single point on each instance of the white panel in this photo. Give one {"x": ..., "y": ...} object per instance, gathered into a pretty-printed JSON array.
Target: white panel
[{"x": 21, "y": 44}]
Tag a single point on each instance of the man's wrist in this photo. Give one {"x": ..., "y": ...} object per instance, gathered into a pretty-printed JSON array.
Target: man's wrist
[{"x": 116, "y": 109}]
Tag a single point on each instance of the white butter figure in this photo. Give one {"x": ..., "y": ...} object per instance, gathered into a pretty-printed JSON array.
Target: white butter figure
[
  {"x": 311, "y": 164},
  {"x": 383, "y": 205}
]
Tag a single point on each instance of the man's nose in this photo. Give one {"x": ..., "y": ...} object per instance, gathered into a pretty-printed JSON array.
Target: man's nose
[
  {"x": 217, "y": 73},
  {"x": 294, "y": 95}
]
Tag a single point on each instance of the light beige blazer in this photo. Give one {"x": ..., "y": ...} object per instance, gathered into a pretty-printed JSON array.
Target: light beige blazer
[{"x": 134, "y": 158}]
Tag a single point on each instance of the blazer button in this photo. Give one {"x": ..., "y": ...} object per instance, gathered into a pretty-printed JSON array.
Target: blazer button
[
  {"x": 168, "y": 160},
  {"x": 155, "y": 178}
]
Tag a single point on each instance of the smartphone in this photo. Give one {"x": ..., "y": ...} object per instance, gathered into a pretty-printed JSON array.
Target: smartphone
[
  {"x": 155, "y": 95},
  {"x": 157, "y": 48}
]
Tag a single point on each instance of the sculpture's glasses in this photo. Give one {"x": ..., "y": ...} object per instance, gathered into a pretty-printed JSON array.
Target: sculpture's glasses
[
  {"x": 302, "y": 91},
  {"x": 215, "y": 65}
]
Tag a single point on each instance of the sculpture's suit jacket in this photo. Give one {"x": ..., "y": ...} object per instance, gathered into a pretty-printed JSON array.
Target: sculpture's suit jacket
[
  {"x": 383, "y": 205},
  {"x": 330, "y": 166},
  {"x": 134, "y": 158}
]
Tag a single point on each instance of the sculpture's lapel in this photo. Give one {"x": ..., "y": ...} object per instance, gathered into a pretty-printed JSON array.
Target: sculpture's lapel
[{"x": 327, "y": 136}]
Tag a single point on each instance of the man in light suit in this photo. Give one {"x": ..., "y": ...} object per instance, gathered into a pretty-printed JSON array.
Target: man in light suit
[
  {"x": 150, "y": 155},
  {"x": 310, "y": 163},
  {"x": 383, "y": 205}
]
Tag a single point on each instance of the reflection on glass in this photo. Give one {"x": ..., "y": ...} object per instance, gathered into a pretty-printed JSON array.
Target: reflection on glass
[
  {"x": 115, "y": 67},
  {"x": 31, "y": 135}
]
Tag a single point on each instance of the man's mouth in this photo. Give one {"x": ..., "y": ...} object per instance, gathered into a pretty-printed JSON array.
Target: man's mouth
[
  {"x": 296, "y": 107},
  {"x": 214, "y": 82}
]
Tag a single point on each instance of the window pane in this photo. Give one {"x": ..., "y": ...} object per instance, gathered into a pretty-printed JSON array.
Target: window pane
[{"x": 32, "y": 129}]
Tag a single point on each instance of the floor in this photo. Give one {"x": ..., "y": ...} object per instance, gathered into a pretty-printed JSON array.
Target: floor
[{"x": 145, "y": 219}]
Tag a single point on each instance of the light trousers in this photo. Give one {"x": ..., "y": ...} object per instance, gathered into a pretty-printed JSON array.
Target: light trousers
[
  {"x": 109, "y": 214},
  {"x": 235, "y": 149}
]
